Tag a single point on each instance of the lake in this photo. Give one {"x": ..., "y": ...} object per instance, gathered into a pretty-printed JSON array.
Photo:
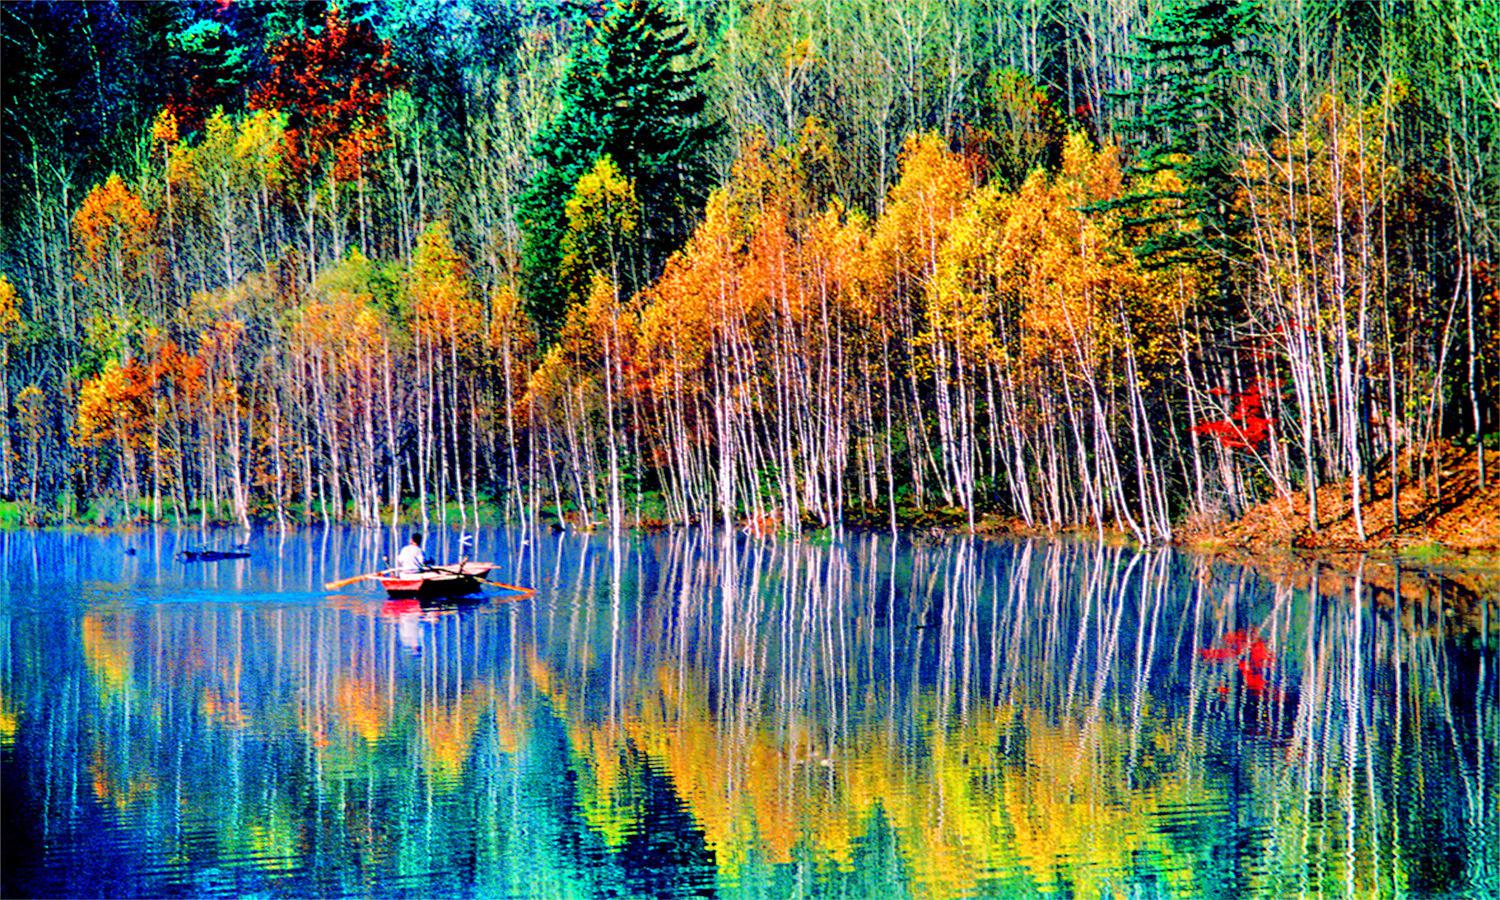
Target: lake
[{"x": 689, "y": 714}]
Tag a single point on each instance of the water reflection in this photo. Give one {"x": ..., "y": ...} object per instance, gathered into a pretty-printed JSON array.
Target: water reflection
[{"x": 689, "y": 713}]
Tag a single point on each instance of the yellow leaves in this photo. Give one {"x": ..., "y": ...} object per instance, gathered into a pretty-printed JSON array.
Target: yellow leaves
[
  {"x": 934, "y": 185},
  {"x": 232, "y": 154},
  {"x": 548, "y": 388},
  {"x": 182, "y": 168},
  {"x": 1096, "y": 173},
  {"x": 598, "y": 333},
  {"x": 123, "y": 402},
  {"x": 799, "y": 55},
  {"x": 963, "y": 303},
  {"x": 603, "y": 215},
  {"x": 1036, "y": 278},
  {"x": 9, "y": 721},
  {"x": 259, "y": 144},
  {"x": 164, "y": 127},
  {"x": 603, "y": 201},
  {"x": 10, "y": 308},
  {"x": 100, "y": 403},
  {"x": 447, "y": 314}
]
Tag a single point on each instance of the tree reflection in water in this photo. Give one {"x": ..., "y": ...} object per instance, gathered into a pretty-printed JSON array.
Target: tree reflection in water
[{"x": 692, "y": 712}]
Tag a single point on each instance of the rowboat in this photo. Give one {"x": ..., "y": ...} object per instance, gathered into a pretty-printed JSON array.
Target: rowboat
[
  {"x": 457, "y": 580},
  {"x": 210, "y": 555}
]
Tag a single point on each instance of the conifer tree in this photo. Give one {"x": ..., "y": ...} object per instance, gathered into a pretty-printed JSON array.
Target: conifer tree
[
  {"x": 1191, "y": 56},
  {"x": 631, "y": 93}
]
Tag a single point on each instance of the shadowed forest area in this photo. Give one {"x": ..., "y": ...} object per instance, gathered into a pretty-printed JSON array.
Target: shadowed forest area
[{"x": 1137, "y": 266}]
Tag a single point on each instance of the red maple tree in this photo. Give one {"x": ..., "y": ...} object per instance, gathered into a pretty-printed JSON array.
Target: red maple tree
[
  {"x": 1247, "y": 426},
  {"x": 331, "y": 82}
]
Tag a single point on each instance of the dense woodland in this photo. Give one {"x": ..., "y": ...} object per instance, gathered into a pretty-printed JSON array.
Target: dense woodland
[{"x": 1119, "y": 264}]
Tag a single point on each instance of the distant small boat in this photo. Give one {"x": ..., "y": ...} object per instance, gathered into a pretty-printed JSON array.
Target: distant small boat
[
  {"x": 210, "y": 555},
  {"x": 457, "y": 580}
]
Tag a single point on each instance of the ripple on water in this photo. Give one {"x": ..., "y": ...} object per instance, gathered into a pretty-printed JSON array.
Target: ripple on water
[{"x": 970, "y": 719}]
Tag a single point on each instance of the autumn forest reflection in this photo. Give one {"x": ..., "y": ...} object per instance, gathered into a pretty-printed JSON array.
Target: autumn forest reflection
[{"x": 690, "y": 713}]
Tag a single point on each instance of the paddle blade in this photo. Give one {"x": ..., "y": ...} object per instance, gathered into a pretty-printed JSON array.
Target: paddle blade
[{"x": 344, "y": 582}]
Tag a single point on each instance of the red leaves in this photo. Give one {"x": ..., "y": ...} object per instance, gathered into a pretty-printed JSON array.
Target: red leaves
[
  {"x": 1247, "y": 426},
  {"x": 332, "y": 84},
  {"x": 1251, "y": 655}
]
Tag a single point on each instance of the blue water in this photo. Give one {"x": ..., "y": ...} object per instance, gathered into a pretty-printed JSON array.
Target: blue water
[{"x": 683, "y": 714}]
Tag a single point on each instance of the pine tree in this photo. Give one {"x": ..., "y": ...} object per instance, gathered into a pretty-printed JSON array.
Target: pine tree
[
  {"x": 630, "y": 93},
  {"x": 1191, "y": 56}
]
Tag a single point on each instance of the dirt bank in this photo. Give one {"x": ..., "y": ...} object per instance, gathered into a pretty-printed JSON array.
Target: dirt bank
[
  {"x": 1445, "y": 512},
  {"x": 1448, "y": 526}
]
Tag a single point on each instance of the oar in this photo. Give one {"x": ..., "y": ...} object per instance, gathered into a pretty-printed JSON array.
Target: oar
[
  {"x": 345, "y": 582},
  {"x": 509, "y": 587}
]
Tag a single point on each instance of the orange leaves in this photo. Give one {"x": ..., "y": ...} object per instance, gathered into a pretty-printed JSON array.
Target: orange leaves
[
  {"x": 935, "y": 184},
  {"x": 110, "y": 408},
  {"x": 164, "y": 128},
  {"x": 181, "y": 372},
  {"x": 120, "y": 404},
  {"x": 354, "y": 152},
  {"x": 332, "y": 84},
  {"x": 340, "y": 329},
  {"x": 1067, "y": 267},
  {"x": 114, "y": 225}
]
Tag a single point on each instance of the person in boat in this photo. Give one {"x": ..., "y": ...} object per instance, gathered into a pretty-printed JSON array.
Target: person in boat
[{"x": 411, "y": 558}]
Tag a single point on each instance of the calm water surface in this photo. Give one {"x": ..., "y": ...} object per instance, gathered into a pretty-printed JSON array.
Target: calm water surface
[{"x": 682, "y": 714}]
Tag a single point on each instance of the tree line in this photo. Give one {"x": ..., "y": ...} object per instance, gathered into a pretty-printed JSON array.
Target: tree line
[{"x": 1069, "y": 262}]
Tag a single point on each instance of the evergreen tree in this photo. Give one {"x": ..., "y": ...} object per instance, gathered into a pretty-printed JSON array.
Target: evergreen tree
[
  {"x": 630, "y": 93},
  {"x": 1192, "y": 55}
]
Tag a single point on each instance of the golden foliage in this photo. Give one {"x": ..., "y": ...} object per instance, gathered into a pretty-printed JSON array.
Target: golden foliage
[
  {"x": 447, "y": 313},
  {"x": 10, "y": 308},
  {"x": 113, "y": 223},
  {"x": 602, "y": 215}
]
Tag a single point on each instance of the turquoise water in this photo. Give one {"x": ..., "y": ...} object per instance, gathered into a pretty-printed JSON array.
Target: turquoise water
[{"x": 681, "y": 714}]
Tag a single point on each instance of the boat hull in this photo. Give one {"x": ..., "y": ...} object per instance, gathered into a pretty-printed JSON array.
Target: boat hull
[
  {"x": 210, "y": 555},
  {"x": 440, "y": 581}
]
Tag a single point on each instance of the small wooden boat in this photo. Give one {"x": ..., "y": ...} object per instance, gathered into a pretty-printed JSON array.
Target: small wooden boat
[
  {"x": 457, "y": 580},
  {"x": 210, "y": 555}
]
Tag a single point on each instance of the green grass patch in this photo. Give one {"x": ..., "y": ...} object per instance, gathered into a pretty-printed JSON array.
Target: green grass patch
[{"x": 1428, "y": 552}]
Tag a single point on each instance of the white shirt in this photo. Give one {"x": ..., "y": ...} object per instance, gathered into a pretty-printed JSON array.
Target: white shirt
[{"x": 411, "y": 559}]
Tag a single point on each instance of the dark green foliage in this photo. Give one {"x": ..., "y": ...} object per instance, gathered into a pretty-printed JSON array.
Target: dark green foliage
[
  {"x": 631, "y": 93},
  {"x": 1191, "y": 56},
  {"x": 1017, "y": 128},
  {"x": 211, "y": 68},
  {"x": 447, "y": 51},
  {"x": 73, "y": 57}
]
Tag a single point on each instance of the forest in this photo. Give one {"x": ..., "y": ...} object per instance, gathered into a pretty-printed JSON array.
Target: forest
[{"x": 1117, "y": 265}]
